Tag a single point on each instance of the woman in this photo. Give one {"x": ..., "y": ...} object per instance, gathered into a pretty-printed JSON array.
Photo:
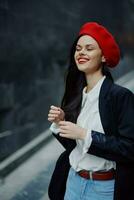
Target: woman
[{"x": 95, "y": 124}]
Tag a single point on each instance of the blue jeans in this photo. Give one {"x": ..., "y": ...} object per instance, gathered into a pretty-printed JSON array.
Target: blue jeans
[{"x": 78, "y": 188}]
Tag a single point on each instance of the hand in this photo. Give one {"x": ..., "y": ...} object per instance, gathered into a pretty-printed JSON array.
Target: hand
[
  {"x": 56, "y": 114},
  {"x": 71, "y": 130}
]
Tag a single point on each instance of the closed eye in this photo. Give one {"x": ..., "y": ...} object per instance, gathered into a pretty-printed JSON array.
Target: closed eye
[
  {"x": 78, "y": 48},
  {"x": 88, "y": 47}
]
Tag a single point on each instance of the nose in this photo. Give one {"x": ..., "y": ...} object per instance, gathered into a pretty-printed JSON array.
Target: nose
[{"x": 82, "y": 51}]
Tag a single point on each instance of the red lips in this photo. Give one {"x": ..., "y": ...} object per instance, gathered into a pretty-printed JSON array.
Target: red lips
[{"x": 82, "y": 60}]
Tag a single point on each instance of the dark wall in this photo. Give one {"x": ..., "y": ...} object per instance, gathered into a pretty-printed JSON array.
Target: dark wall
[{"x": 35, "y": 40}]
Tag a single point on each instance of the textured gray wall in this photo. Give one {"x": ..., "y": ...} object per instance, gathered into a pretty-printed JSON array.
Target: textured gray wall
[{"x": 35, "y": 40}]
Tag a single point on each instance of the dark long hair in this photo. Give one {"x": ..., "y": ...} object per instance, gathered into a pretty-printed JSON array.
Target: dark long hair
[{"x": 75, "y": 81}]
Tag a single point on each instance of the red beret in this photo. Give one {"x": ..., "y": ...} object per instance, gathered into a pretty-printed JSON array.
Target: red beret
[{"x": 105, "y": 40}]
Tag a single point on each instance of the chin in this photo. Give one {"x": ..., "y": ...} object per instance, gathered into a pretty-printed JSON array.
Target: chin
[
  {"x": 84, "y": 69},
  {"x": 81, "y": 67}
]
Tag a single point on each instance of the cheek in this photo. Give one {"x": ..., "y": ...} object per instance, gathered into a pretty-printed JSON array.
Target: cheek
[
  {"x": 97, "y": 57},
  {"x": 75, "y": 57}
]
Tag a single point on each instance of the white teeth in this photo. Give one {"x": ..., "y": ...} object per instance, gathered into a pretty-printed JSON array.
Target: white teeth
[{"x": 83, "y": 60}]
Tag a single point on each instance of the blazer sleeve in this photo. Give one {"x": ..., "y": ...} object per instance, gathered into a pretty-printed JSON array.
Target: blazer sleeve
[
  {"x": 68, "y": 144},
  {"x": 118, "y": 147}
]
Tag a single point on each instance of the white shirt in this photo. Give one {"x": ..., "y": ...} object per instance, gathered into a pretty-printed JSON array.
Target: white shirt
[{"x": 89, "y": 118}]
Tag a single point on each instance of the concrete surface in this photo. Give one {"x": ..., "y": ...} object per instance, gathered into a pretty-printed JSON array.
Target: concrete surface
[{"x": 30, "y": 180}]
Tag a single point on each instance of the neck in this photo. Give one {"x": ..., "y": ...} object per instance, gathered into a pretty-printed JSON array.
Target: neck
[{"x": 92, "y": 79}]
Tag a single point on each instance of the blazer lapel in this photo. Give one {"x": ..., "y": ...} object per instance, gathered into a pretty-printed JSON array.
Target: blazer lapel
[{"x": 105, "y": 107}]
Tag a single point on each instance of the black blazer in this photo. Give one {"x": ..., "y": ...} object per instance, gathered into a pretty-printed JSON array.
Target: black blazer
[{"x": 116, "y": 107}]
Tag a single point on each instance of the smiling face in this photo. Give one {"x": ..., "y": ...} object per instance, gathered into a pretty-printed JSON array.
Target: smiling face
[{"x": 88, "y": 55}]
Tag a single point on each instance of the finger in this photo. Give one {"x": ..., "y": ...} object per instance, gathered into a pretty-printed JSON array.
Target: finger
[
  {"x": 51, "y": 119},
  {"x": 63, "y": 123},
  {"x": 52, "y": 115},
  {"x": 64, "y": 131},
  {"x": 65, "y": 135},
  {"x": 54, "y": 107},
  {"x": 63, "y": 128},
  {"x": 54, "y": 112}
]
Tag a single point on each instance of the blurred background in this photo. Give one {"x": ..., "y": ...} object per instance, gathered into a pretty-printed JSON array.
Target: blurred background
[{"x": 35, "y": 41}]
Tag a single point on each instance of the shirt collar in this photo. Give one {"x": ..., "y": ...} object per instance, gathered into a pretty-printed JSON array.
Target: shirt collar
[{"x": 93, "y": 94}]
